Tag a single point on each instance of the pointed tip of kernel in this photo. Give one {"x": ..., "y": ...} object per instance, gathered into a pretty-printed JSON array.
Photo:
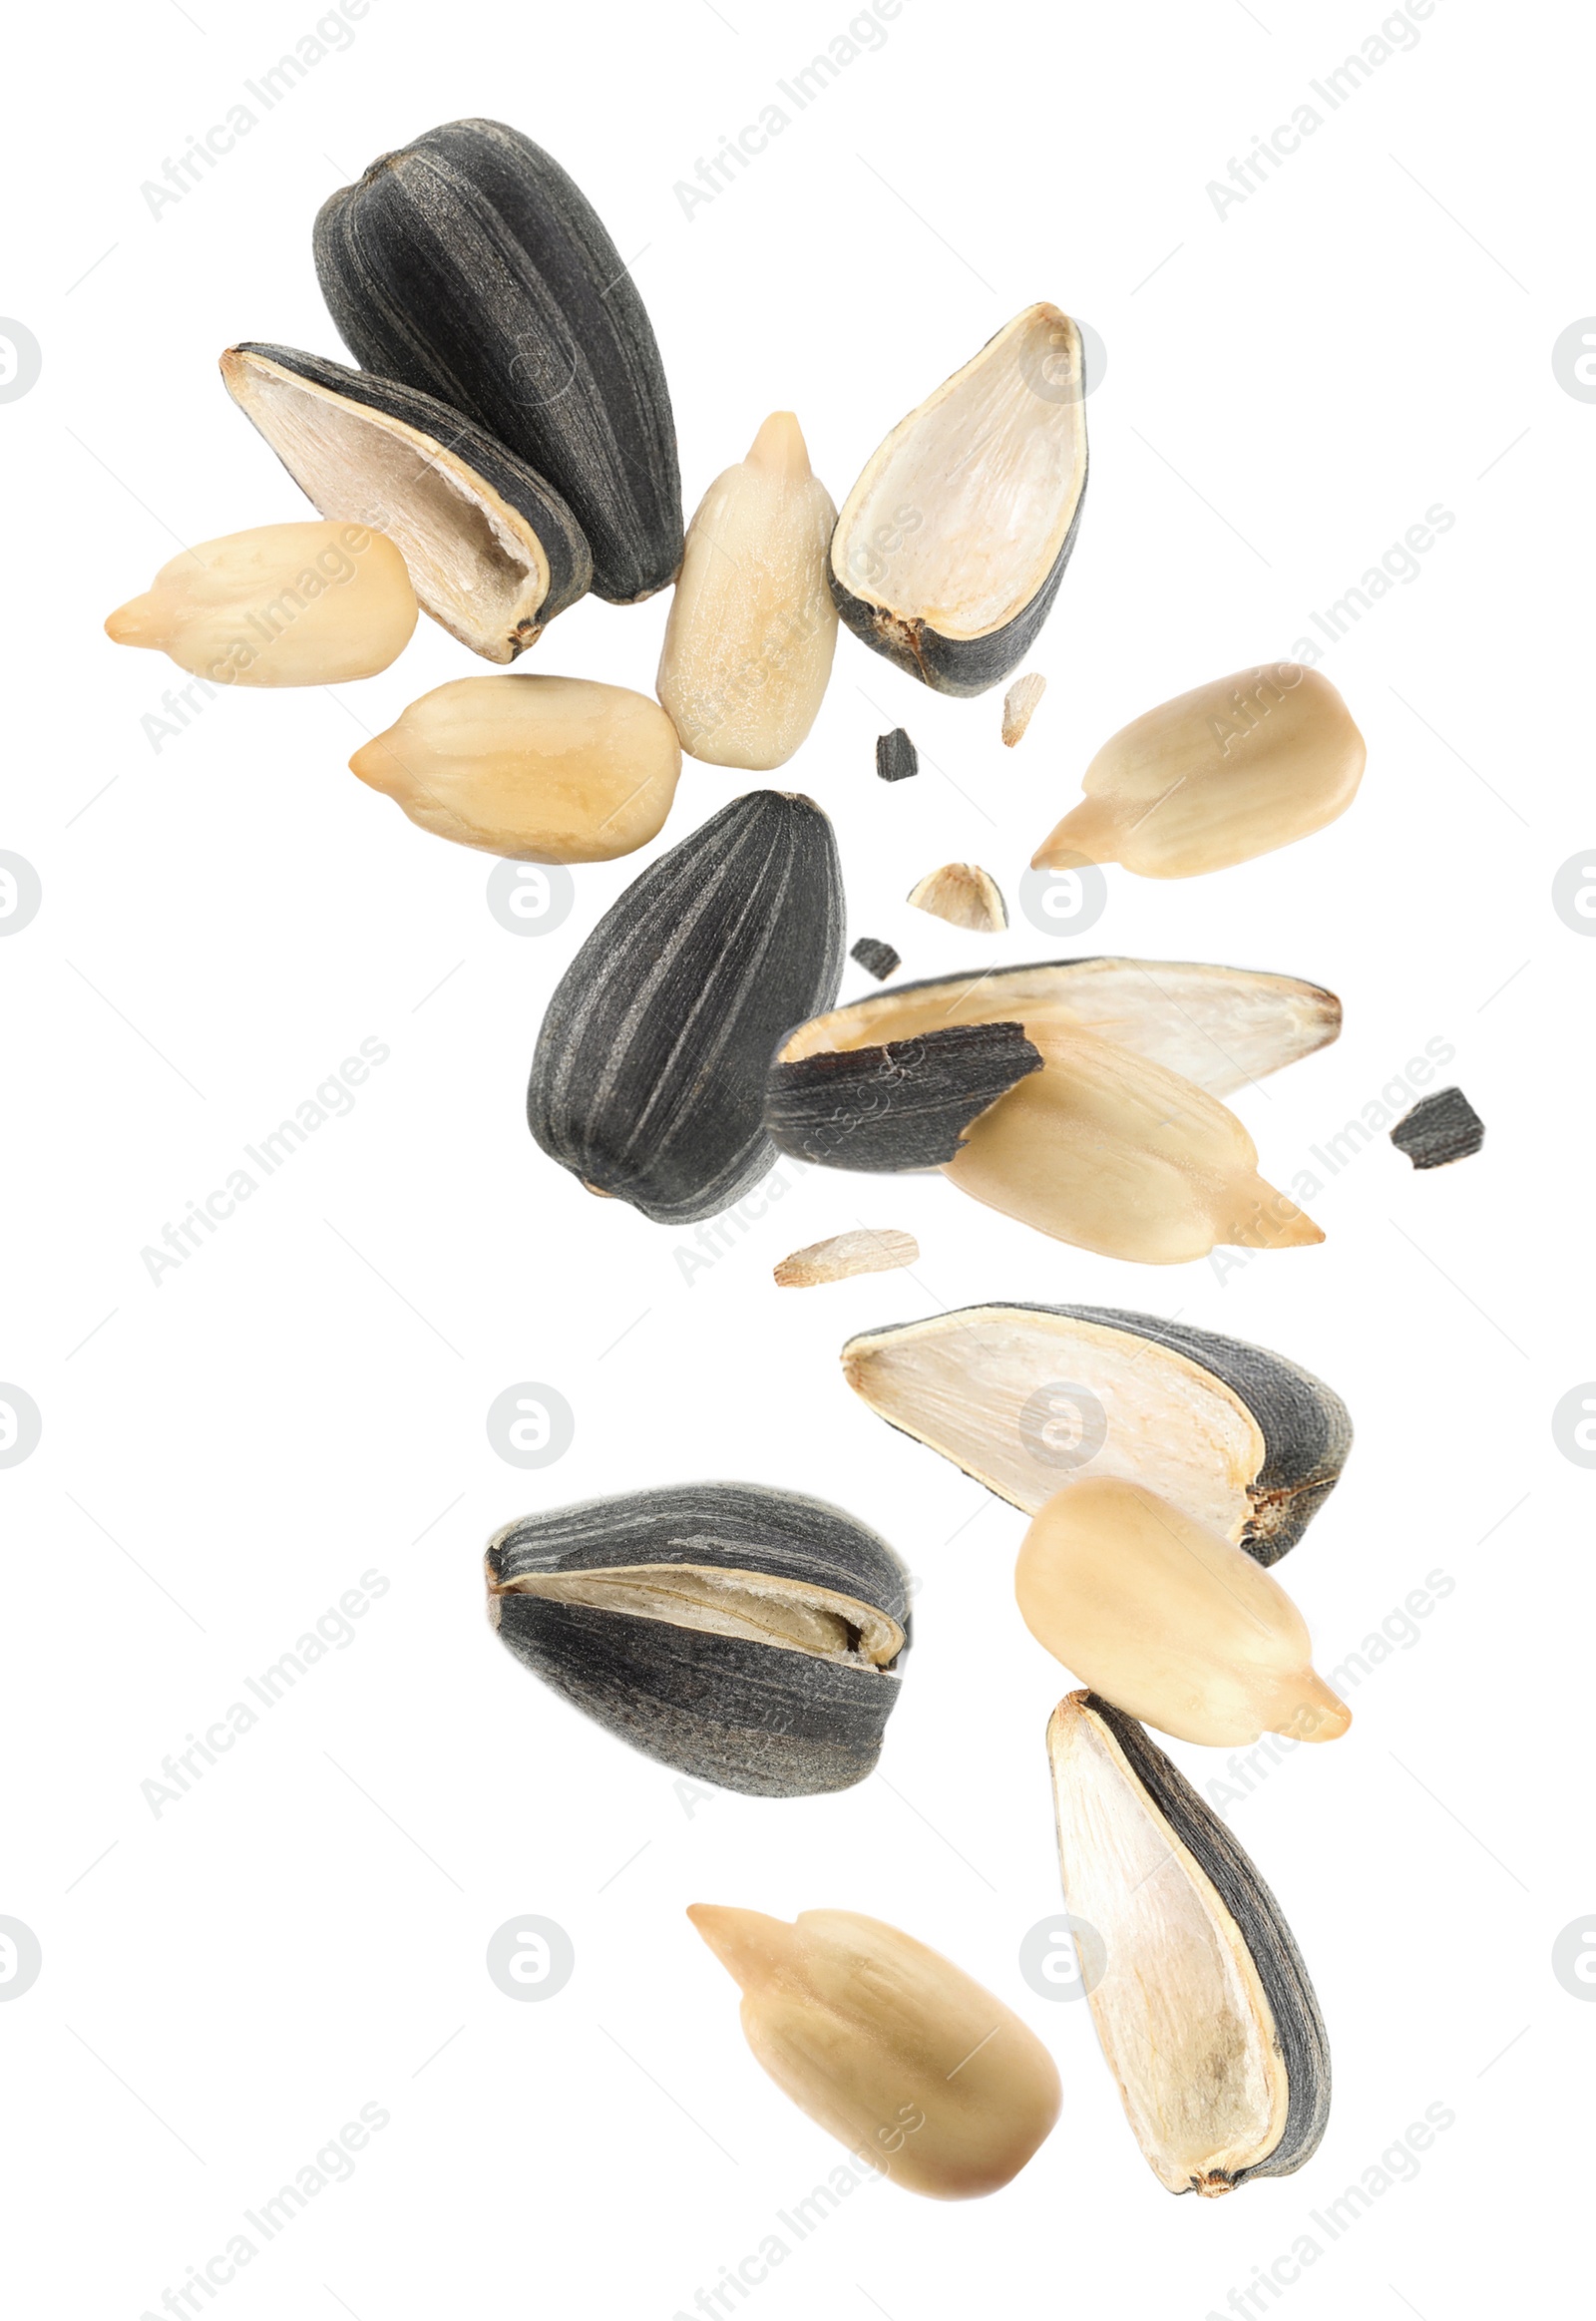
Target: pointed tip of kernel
[
  {"x": 1089, "y": 833},
  {"x": 744, "y": 1941},
  {"x": 779, "y": 448},
  {"x": 134, "y": 623},
  {"x": 1266, "y": 1219},
  {"x": 1319, "y": 1715}
]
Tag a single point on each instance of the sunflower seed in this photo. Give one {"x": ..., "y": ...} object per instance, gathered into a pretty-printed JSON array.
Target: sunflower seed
[
  {"x": 533, "y": 768},
  {"x": 1029, "y": 1398},
  {"x": 749, "y": 1636},
  {"x": 1205, "y": 2013},
  {"x": 1222, "y": 1027},
  {"x": 492, "y": 550},
  {"x": 889, "y": 2047},
  {"x": 950, "y": 549},
  {"x": 752, "y": 629},
  {"x": 1234, "y": 769},
  {"x": 284, "y": 604},
  {"x": 647, "y": 1081},
  {"x": 469, "y": 265},
  {"x": 1167, "y": 1620}
]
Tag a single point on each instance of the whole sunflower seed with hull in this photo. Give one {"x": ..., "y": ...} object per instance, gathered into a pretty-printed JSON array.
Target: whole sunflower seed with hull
[
  {"x": 648, "y": 1078},
  {"x": 950, "y": 549},
  {"x": 1204, "y": 2011},
  {"x": 469, "y": 265},
  {"x": 748, "y": 1637},
  {"x": 1240, "y": 1438},
  {"x": 493, "y": 551}
]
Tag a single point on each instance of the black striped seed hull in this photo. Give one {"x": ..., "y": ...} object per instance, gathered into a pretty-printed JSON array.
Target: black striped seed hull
[
  {"x": 1299, "y": 2026},
  {"x": 469, "y": 265},
  {"x": 746, "y": 1716},
  {"x": 648, "y": 1078}
]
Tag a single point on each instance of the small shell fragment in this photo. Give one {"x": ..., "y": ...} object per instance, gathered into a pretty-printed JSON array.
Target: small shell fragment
[
  {"x": 1231, "y": 770},
  {"x": 867, "y": 1252},
  {"x": 889, "y": 2047},
  {"x": 749, "y": 1636},
  {"x": 964, "y": 895},
  {"x": 896, "y": 756},
  {"x": 284, "y": 604},
  {"x": 877, "y": 958},
  {"x": 1169, "y": 1621},
  {"x": 538, "y": 769},
  {"x": 950, "y": 549},
  {"x": 647, "y": 1081},
  {"x": 752, "y": 629},
  {"x": 493, "y": 551},
  {"x": 907, "y": 1105},
  {"x": 1204, "y": 2010},
  {"x": 1029, "y": 1400},
  {"x": 1020, "y": 706},
  {"x": 1439, "y": 1128}
]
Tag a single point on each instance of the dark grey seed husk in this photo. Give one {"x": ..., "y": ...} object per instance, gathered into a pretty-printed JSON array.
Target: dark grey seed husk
[
  {"x": 1441, "y": 1128},
  {"x": 1299, "y": 2026},
  {"x": 906, "y": 1106},
  {"x": 960, "y": 666},
  {"x": 747, "y": 1715},
  {"x": 878, "y": 958},
  {"x": 895, "y": 755},
  {"x": 449, "y": 439},
  {"x": 648, "y": 1078},
  {"x": 469, "y": 265},
  {"x": 1305, "y": 1426}
]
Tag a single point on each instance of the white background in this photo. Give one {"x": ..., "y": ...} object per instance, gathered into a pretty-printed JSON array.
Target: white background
[{"x": 1289, "y": 388}]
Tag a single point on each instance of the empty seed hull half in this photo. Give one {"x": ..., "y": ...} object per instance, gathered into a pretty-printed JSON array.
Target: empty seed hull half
[
  {"x": 1221, "y": 1027},
  {"x": 950, "y": 549},
  {"x": 1231, "y": 770},
  {"x": 1028, "y": 1399},
  {"x": 469, "y": 265},
  {"x": 647, "y": 1081},
  {"x": 492, "y": 550},
  {"x": 1204, "y": 2009},
  {"x": 748, "y": 1637},
  {"x": 889, "y": 2047},
  {"x": 1167, "y": 1620}
]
